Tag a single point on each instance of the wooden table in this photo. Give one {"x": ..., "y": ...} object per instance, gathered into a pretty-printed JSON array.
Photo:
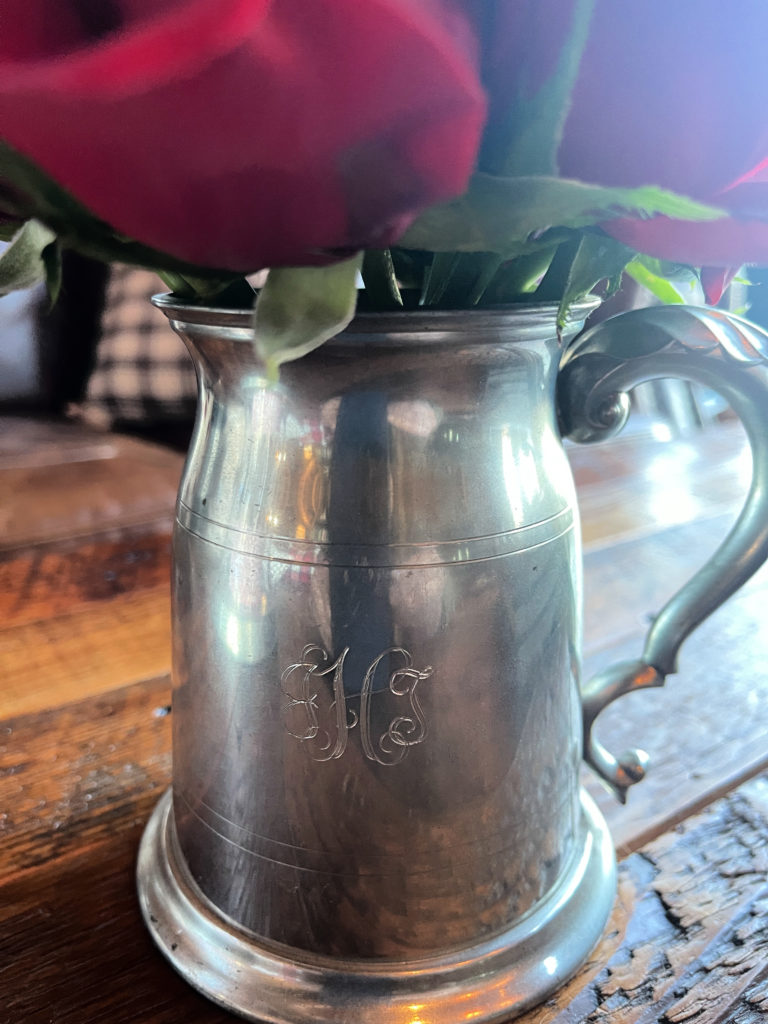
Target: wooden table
[{"x": 85, "y": 735}]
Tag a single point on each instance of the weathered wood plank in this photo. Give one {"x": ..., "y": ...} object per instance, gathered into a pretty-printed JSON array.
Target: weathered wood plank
[
  {"x": 35, "y": 441},
  {"x": 627, "y": 584},
  {"x": 706, "y": 730},
  {"x": 82, "y": 485},
  {"x": 73, "y": 949},
  {"x": 635, "y": 484},
  {"x": 696, "y": 944},
  {"x": 79, "y": 774},
  {"x": 90, "y": 651},
  {"x": 51, "y": 580}
]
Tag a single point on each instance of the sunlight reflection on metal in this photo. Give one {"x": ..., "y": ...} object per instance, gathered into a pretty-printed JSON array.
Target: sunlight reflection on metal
[
  {"x": 520, "y": 469},
  {"x": 661, "y": 431},
  {"x": 415, "y": 417},
  {"x": 233, "y": 634},
  {"x": 243, "y": 635}
]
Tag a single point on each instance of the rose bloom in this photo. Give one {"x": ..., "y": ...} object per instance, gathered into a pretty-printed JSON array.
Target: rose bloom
[
  {"x": 245, "y": 133},
  {"x": 667, "y": 94}
]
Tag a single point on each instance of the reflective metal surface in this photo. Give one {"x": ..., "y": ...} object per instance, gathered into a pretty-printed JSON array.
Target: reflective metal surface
[
  {"x": 730, "y": 355},
  {"x": 377, "y": 719},
  {"x": 492, "y": 980}
]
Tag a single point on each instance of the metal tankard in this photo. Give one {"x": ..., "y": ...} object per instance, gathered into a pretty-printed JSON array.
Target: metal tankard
[{"x": 378, "y": 718}]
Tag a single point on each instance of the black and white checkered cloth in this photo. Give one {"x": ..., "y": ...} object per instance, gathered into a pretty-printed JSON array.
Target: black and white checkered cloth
[{"x": 143, "y": 374}]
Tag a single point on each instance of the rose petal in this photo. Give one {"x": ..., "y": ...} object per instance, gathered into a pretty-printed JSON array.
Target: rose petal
[
  {"x": 720, "y": 243},
  {"x": 715, "y": 280},
  {"x": 243, "y": 133}
]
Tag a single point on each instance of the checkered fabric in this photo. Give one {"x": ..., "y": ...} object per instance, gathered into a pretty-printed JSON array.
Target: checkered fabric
[{"x": 143, "y": 373}]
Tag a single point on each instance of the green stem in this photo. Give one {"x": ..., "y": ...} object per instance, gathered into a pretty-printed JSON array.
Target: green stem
[
  {"x": 459, "y": 280},
  {"x": 380, "y": 280},
  {"x": 517, "y": 277},
  {"x": 235, "y": 293},
  {"x": 555, "y": 281},
  {"x": 487, "y": 272}
]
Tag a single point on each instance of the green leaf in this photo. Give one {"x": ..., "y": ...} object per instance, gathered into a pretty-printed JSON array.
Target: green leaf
[
  {"x": 22, "y": 264},
  {"x": 595, "y": 258},
  {"x": 301, "y": 307},
  {"x": 500, "y": 214},
  {"x": 659, "y": 286},
  {"x": 668, "y": 269},
  {"x": 528, "y": 137}
]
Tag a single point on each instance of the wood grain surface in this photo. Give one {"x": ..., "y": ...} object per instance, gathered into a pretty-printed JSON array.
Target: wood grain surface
[
  {"x": 696, "y": 941},
  {"x": 105, "y": 484}
]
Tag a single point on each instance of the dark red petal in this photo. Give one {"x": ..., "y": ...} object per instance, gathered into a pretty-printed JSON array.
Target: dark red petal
[
  {"x": 38, "y": 29},
  {"x": 242, "y": 133},
  {"x": 714, "y": 281},
  {"x": 726, "y": 242}
]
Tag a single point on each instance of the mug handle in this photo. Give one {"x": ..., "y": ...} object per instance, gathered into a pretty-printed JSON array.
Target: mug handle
[{"x": 729, "y": 355}]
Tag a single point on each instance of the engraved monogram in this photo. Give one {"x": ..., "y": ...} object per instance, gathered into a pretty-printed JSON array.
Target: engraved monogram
[{"x": 299, "y": 683}]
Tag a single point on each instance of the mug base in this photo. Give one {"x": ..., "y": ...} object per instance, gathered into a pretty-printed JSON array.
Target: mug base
[{"x": 493, "y": 980}]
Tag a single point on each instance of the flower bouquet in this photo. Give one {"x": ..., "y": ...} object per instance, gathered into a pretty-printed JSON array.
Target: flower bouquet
[{"x": 457, "y": 153}]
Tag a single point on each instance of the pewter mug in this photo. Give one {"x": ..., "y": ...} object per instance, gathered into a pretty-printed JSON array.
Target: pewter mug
[{"x": 378, "y": 714}]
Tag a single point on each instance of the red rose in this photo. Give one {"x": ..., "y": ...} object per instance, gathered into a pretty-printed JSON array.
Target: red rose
[
  {"x": 244, "y": 133},
  {"x": 674, "y": 95},
  {"x": 668, "y": 94}
]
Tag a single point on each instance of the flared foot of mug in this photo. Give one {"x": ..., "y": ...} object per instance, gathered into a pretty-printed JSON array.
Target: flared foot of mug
[{"x": 491, "y": 981}]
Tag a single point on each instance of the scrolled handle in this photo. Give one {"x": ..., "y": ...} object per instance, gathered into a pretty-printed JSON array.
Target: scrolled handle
[{"x": 729, "y": 355}]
